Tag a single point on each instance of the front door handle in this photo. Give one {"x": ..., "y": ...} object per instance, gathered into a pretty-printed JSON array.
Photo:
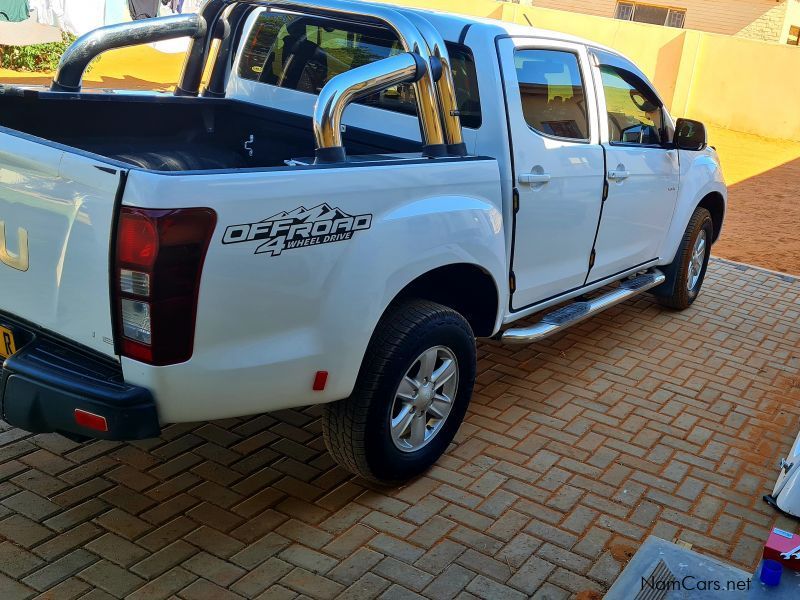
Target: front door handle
[
  {"x": 618, "y": 175},
  {"x": 534, "y": 178}
]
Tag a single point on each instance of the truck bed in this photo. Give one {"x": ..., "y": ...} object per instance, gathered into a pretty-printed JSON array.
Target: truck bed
[{"x": 167, "y": 133}]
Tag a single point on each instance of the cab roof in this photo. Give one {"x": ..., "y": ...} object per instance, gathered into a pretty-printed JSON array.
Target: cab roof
[{"x": 447, "y": 23}]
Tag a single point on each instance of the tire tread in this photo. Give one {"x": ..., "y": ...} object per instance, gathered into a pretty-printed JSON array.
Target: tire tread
[
  {"x": 344, "y": 423},
  {"x": 677, "y": 296}
]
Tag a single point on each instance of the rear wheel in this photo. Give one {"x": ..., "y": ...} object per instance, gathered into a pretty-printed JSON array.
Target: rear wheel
[
  {"x": 410, "y": 397},
  {"x": 685, "y": 275}
]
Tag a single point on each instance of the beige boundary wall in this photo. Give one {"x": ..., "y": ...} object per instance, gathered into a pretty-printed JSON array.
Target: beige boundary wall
[{"x": 731, "y": 82}]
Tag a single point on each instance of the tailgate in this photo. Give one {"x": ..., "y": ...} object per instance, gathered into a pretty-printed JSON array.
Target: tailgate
[{"x": 56, "y": 220}]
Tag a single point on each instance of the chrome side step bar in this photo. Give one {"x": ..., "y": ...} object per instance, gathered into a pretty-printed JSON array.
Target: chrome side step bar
[{"x": 574, "y": 313}]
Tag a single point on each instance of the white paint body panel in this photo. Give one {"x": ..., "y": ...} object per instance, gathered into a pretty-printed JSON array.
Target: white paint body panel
[
  {"x": 266, "y": 324},
  {"x": 66, "y": 204},
  {"x": 556, "y": 220},
  {"x": 638, "y": 210}
]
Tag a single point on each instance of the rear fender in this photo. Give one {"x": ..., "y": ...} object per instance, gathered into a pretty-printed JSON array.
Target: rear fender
[{"x": 270, "y": 314}]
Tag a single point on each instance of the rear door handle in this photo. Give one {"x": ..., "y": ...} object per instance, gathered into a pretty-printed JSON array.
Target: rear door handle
[
  {"x": 618, "y": 175},
  {"x": 534, "y": 178}
]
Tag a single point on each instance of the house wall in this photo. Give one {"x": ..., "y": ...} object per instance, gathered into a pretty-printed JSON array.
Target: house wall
[{"x": 755, "y": 19}]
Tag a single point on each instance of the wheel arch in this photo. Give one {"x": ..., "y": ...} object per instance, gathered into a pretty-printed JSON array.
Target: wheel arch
[
  {"x": 715, "y": 204},
  {"x": 465, "y": 287}
]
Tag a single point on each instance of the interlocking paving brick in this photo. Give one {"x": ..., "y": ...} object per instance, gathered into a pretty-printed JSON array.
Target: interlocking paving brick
[
  {"x": 15, "y": 561},
  {"x": 638, "y": 421},
  {"x": 369, "y": 586},
  {"x": 214, "y": 569},
  {"x": 201, "y": 589},
  {"x": 491, "y": 590},
  {"x": 259, "y": 551},
  {"x": 402, "y": 573},
  {"x": 111, "y": 578},
  {"x": 22, "y": 531},
  {"x": 312, "y": 585},
  {"x": 69, "y": 589},
  {"x": 355, "y": 566},
  {"x": 450, "y": 583},
  {"x": 155, "y": 564},
  {"x": 261, "y": 577},
  {"x": 13, "y": 590},
  {"x": 164, "y": 586},
  {"x": 59, "y": 570}
]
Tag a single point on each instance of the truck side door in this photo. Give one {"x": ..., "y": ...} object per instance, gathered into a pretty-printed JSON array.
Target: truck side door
[
  {"x": 643, "y": 172},
  {"x": 558, "y": 165}
]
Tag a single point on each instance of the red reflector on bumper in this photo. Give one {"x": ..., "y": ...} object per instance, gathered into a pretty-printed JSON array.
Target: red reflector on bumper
[
  {"x": 90, "y": 420},
  {"x": 320, "y": 380}
]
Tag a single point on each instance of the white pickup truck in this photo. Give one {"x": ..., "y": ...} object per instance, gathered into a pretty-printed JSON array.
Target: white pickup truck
[{"x": 249, "y": 245}]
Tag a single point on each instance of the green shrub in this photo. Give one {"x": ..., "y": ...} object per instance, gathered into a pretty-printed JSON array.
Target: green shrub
[{"x": 38, "y": 57}]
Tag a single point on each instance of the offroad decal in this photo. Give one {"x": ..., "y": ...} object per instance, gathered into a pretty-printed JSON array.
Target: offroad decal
[{"x": 298, "y": 228}]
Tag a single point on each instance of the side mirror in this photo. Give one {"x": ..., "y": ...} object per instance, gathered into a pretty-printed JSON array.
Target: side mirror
[{"x": 690, "y": 135}]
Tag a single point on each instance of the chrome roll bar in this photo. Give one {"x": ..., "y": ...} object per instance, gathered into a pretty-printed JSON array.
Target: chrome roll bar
[
  {"x": 437, "y": 108},
  {"x": 197, "y": 54},
  {"x": 69, "y": 73},
  {"x": 230, "y": 20},
  {"x": 445, "y": 87},
  {"x": 407, "y": 34},
  {"x": 351, "y": 85}
]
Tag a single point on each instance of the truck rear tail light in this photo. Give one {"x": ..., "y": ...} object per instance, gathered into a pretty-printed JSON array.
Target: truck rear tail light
[
  {"x": 134, "y": 282},
  {"x": 159, "y": 262},
  {"x": 136, "y": 321}
]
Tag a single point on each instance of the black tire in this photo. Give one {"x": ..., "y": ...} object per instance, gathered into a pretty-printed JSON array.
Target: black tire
[
  {"x": 357, "y": 429},
  {"x": 675, "y": 291}
]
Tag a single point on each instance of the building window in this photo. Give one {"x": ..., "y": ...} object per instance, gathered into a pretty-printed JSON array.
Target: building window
[
  {"x": 646, "y": 13},
  {"x": 794, "y": 36}
]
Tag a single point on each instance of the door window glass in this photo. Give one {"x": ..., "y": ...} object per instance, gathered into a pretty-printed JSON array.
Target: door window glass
[
  {"x": 552, "y": 93},
  {"x": 634, "y": 113}
]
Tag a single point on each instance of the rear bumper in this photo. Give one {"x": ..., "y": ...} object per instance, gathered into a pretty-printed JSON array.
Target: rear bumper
[{"x": 47, "y": 380}]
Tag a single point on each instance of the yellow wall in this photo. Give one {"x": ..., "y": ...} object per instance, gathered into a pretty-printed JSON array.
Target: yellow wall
[{"x": 746, "y": 86}]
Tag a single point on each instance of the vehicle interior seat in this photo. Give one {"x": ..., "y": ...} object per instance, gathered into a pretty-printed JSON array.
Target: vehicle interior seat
[{"x": 562, "y": 115}]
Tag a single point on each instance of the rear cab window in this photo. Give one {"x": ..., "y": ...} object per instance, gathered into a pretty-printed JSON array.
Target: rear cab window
[{"x": 303, "y": 53}]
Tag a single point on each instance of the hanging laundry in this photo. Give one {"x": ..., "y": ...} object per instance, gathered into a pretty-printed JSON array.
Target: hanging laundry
[
  {"x": 143, "y": 9},
  {"x": 176, "y": 6},
  {"x": 14, "y": 10}
]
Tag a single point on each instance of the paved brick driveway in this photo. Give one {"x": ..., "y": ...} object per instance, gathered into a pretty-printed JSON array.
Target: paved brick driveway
[{"x": 638, "y": 421}]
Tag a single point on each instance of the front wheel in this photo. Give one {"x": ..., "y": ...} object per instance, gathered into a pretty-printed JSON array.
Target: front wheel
[
  {"x": 410, "y": 397},
  {"x": 687, "y": 271}
]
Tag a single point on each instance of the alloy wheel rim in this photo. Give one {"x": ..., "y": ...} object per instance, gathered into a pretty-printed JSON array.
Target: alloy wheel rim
[
  {"x": 696, "y": 261},
  {"x": 424, "y": 399}
]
